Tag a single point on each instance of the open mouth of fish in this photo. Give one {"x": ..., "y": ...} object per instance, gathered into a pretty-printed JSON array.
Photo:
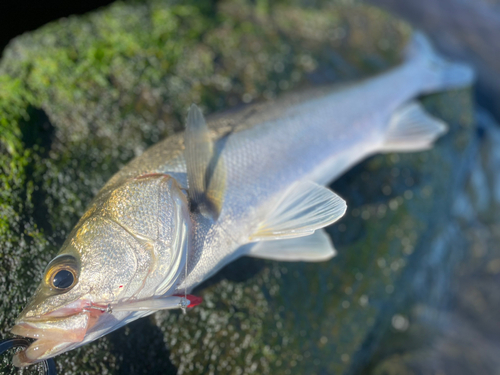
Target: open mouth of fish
[{"x": 54, "y": 333}]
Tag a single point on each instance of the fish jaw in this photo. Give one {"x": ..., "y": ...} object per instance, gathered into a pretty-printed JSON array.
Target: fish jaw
[
  {"x": 54, "y": 333},
  {"x": 38, "y": 351}
]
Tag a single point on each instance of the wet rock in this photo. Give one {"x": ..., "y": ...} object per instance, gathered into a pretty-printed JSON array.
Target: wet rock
[
  {"x": 460, "y": 333},
  {"x": 82, "y": 96}
]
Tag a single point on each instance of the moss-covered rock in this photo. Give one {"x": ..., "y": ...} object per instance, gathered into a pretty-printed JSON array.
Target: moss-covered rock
[{"x": 82, "y": 96}]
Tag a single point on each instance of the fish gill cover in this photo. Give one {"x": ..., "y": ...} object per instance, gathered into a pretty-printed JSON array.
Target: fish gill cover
[{"x": 81, "y": 96}]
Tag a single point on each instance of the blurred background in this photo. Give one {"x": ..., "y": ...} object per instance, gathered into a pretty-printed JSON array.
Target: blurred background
[
  {"x": 461, "y": 29},
  {"x": 17, "y": 17},
  {"x": 415, "y": 287}
]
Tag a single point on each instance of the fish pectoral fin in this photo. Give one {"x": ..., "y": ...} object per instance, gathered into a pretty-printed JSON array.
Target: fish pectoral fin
[
  {"x": 412, "y": 129},
  {"x": 305, "y": 208},
  {"x": 205, "y": 183},
  {"x": 316, "y": 247}
]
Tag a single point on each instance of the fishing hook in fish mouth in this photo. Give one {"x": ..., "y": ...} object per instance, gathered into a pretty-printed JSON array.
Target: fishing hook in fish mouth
[
  {"x": 103, "y": 309},
  {"x": 48, "y": 364}
]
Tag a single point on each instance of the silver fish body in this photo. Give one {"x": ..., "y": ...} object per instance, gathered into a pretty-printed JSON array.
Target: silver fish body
[
  {"x": 315, "y": 136},
  {"x": 247, "y": 183}
]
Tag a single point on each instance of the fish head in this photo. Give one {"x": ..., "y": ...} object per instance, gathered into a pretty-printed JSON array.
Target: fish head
[
  {"x": 74, "y": 293},
  {"x": 128, "y": 246}
]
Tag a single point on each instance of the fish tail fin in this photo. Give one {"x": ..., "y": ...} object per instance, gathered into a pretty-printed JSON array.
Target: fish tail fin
[
  {"x": 438, "y": 73},
  {"x": 412, "y": 129}
]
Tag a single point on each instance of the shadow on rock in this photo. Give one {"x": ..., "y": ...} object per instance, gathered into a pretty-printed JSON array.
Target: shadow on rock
[
  {"x": 37, "y": 134},
  {"x": 238, "y": 271},
  {"x": 140, "y": 349}
]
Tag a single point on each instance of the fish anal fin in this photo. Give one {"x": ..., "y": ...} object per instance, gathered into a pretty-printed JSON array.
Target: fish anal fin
[
  {"x": 411, "y": 128},
  {"x": 316, "y": 247},
  {"x": 206, "y": 182},
  {"x": 305, "y": 208}
]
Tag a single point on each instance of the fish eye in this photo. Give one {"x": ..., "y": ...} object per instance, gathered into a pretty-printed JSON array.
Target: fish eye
[
  {"x": 62, "y": 273},
  {"x": 63, "y": 279}
]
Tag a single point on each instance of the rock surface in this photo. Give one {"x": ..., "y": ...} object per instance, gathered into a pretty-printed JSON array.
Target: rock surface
[
  {"x": 459, "y": 334},
  {"x": 82, "y": 96}
]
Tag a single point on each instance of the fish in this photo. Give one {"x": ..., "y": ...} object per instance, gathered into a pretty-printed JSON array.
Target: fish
[{"x": 248, "y": 182}]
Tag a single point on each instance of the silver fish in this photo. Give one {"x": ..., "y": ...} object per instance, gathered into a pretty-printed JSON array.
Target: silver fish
[{"x": 248, "y": 183}]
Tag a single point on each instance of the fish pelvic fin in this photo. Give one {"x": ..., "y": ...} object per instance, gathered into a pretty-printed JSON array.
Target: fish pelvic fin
[
  {"x": 316, "y": 247},
  {"x": 305, "y": 208},
  {"x": 206, "y": 182},
  {"x": 437, "y": 73},
  {"x": 412, "y": 129}
]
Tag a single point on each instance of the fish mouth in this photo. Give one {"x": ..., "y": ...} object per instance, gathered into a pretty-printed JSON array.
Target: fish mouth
[
  {"x": 38, "y": 351},
  {"x": 54, "y": 334}
]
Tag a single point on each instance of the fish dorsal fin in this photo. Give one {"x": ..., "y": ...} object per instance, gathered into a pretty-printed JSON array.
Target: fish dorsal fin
[
  {"x": 305, "y": 208},
  {"x": 316, "y": 247},
  {"x": 205, "y": 186},
  {"x": 412, "y": 129}
]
